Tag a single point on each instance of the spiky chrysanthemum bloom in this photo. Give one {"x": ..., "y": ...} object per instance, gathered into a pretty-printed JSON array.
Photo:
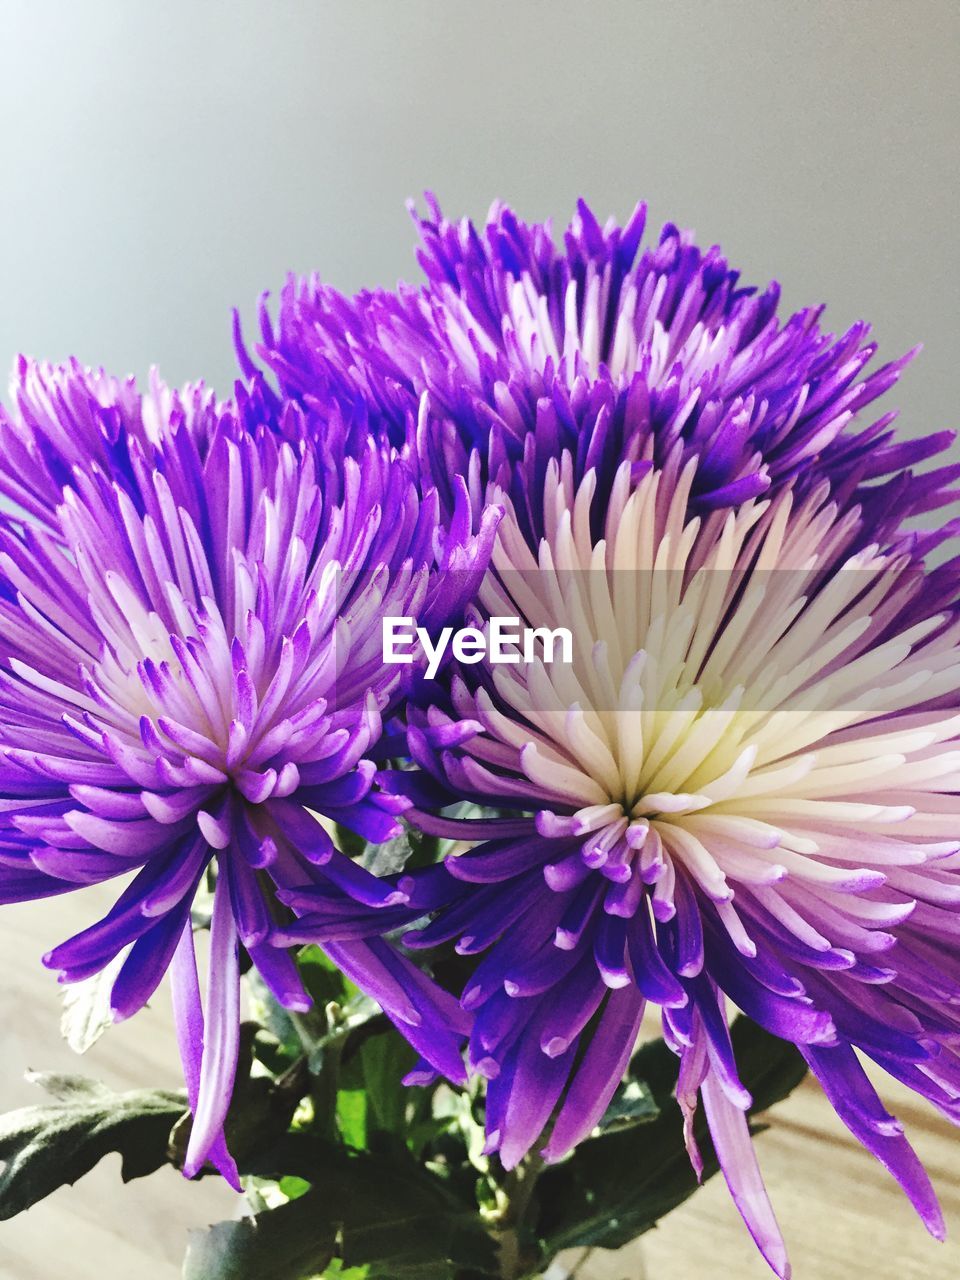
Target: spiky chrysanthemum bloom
[
  {"x": 517, "y": 348},
  {"x": 746, "y": 785},
  {"x": 190, "y": 670}
]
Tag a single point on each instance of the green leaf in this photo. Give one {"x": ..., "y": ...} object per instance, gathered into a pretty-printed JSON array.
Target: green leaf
[
  {"x": 632, "y": 1104},
  {"x": 616, "y": 1186},
  {"x": 294, "y": 1188},
  {"x": 385, "y": 1060},
  {"x": 386, "y": 1212},
  {"x": 261, "y": 1108},
  {"x": 392, "y": 855},
  {"x": 86, "y": 1007},
  {"x": 321, "y": 977},
  {"x": 46, "y": 1147},
  {"x": 287, "y": 1243},
  {"x": 405, "y": 852},
  {"x": 352, "y": 1117}
]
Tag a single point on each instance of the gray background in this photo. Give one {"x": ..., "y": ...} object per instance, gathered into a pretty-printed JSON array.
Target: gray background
[{"x": 163, "y": 162}]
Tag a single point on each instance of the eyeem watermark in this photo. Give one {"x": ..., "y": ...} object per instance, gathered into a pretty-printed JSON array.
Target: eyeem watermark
[{"x": 504, "y": 640}]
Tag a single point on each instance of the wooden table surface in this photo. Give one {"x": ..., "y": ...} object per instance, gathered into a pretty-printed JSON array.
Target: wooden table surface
[{"x": 842, "y": 1215}]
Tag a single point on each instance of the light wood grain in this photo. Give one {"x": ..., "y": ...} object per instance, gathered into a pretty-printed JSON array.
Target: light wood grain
[
  {"x": 842, "y": 1215},
  {"x": 100, "y": 1229}
]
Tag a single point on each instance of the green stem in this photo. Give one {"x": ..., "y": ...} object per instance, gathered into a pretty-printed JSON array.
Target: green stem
[
  {"x": 306, "y": 1029},
  {"x": 324, "y": 1085},
  {"x": 517, "y": 1191}
]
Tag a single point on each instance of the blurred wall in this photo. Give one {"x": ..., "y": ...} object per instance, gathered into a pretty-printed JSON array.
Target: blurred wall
[{"x": 162, "y": 162}]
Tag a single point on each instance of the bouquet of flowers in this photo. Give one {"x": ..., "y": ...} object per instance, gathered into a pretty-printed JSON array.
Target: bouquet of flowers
[{"x": 522, "y": 724}]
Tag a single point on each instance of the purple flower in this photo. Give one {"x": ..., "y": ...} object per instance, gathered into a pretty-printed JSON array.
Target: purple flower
[
  {"x": 517, "y": 349},
  {"x": 191, "y": 670},
  {"x": 745, "y": 786}
]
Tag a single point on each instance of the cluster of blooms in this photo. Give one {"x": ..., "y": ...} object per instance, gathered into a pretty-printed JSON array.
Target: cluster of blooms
[{"x": 743, "y": 788}]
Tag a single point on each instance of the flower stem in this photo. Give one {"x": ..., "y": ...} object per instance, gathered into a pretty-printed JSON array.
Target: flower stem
[{"x": 517, "y": 1190}]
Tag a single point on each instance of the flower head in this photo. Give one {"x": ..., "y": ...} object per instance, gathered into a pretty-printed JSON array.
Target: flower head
[
  {"x": 517, "y": 348},
  {"x": 744, "y": 787},
  {"x": 191, "y": 672}
]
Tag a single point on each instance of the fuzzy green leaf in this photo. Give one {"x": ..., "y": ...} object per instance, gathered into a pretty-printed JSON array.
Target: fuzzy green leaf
[
  {"x": 287, "y": 1243},
  {"x": 46, "y": 1147},
  {"x": 86, "y": 1007},
  {"x": 387, "y": 1214},
  {"x": 385, "y": 1060}
]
